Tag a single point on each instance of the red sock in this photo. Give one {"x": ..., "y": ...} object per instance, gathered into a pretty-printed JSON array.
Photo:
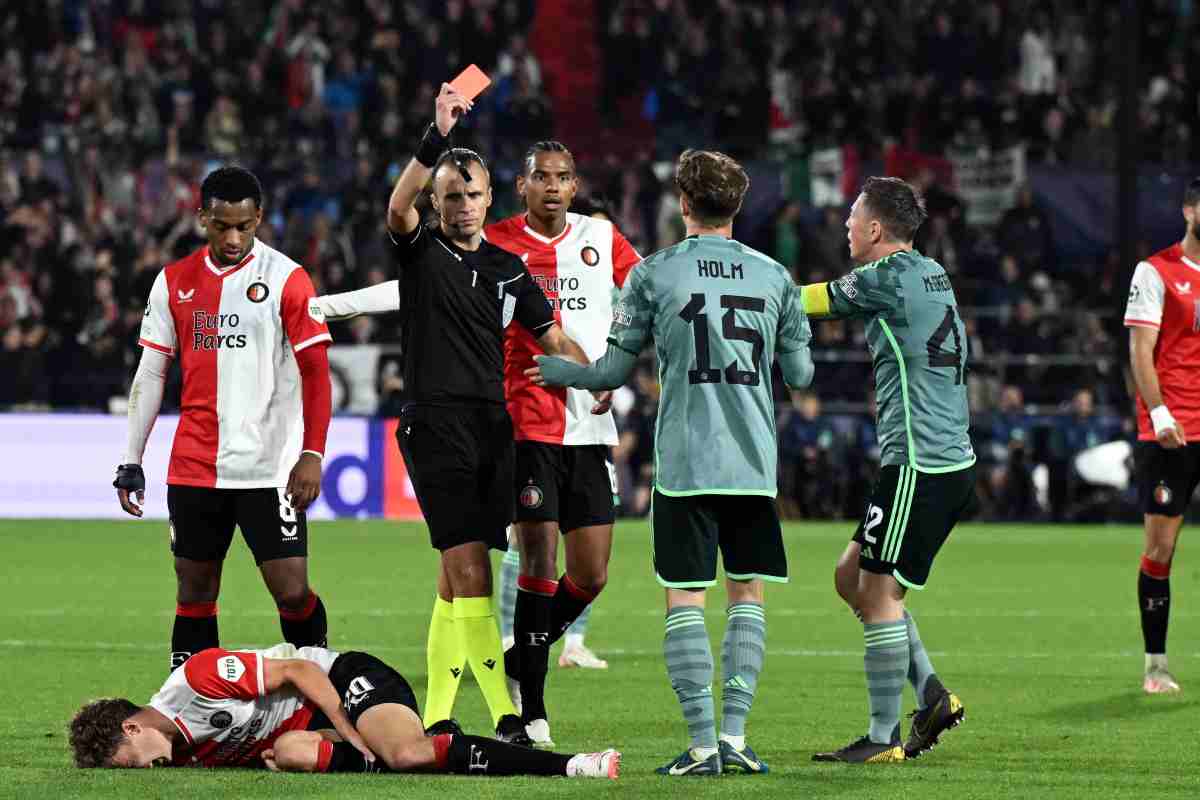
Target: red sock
[{"x": 324, "y": 755}]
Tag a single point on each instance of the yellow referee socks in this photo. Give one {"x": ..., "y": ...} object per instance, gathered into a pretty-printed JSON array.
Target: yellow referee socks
[
  {"x": 476, "y": 625},
  {"x": 445, "y": 659}
]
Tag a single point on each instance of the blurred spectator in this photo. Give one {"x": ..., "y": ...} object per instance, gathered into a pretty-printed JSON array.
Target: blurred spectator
[
  {"x": 1008, "y": 449},
  {"x": 811, "y": 474}
]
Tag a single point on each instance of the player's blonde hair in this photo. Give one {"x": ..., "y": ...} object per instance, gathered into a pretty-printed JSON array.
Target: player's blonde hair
[{"x": 714, "y": 184}]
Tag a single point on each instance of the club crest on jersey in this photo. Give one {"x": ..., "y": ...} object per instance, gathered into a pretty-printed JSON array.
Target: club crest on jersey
[
  {"x": 590, "y": 255},
  {"x": 221, "y": 720},
  {"x": 1162, "y": 494},
  {"x": 532, "y": 497},
  {"x": 257, "y": 292}
]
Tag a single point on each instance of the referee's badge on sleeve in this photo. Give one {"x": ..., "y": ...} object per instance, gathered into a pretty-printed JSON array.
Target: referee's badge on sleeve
[{"x": 510, "y": 305}]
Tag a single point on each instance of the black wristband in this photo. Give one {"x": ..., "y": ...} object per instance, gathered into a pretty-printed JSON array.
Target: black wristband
[{"x": 432, "y": 145}]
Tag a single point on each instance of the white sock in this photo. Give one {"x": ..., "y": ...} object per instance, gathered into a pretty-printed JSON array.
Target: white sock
[
  {"x": 573, "y": 640},
  {"x": 701, "y": 753},
  {"x": 736, "y": 742},
  {"x": 1156, "y": 661}
]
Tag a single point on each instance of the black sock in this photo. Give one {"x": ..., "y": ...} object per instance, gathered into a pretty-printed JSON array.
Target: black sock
[
  {"x": 569, "y": 603},
  {"x": 475, "y": 755},
  {"x": 1154, "y": 600},
  {"x": 531, "y": 630},
  {"x": 307, "y": 626},
  {"x": 345, "y": 757},
  {"x": 195, "y": 630}
]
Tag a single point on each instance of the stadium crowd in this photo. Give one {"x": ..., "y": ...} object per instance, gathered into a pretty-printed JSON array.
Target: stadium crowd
[{"x": 111, "y": 114}]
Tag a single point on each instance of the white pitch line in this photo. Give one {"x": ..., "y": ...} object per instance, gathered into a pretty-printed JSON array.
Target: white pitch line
[{"x": 55, "y": 644}]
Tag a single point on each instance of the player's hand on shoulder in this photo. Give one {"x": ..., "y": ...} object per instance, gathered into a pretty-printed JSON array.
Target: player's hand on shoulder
[
  {"x": 130, "y": 484},
  {"x": 304, "y": 482},
  {"x": 449, "y": 106}
]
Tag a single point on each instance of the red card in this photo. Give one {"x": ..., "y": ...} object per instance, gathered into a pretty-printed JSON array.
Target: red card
[{"x": 471, "y": 82}]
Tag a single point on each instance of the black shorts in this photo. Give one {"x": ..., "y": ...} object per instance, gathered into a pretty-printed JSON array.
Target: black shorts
[
  {"x": 909, "y": 517},
  {"x": 1166, "y": 478},
  {"x": 363, "y": 681},
  {"x": 572, "y": 485},
  {"x": 687, "y": 531},
  {"x": 460, "y": 461},
  {"x": 203, "y": 519}
]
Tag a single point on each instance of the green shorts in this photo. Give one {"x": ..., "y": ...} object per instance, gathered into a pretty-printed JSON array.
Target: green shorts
[
  {"x": 687, "y": 531},
  {"x": 909, "y": 518}
]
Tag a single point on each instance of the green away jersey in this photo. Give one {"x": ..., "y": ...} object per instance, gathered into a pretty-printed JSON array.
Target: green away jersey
[
  {"x": 919, "y": 350},
  {"x": 719, "y": 312}
]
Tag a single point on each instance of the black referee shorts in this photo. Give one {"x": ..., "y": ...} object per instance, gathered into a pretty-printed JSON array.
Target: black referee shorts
[{"x": 460, "y": 461}]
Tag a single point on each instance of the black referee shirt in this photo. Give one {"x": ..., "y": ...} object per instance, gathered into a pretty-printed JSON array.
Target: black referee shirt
[{"x": 454, "y": 306}]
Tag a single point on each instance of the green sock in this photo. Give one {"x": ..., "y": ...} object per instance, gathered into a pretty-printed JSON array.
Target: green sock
[
  {"x": 510, "y": 566},
  {"x": 690, "y": 668},
  {"x": 886, "y": 663},
  {"x": 742, "y": 653},
  {"x": 920, "y": 669}
]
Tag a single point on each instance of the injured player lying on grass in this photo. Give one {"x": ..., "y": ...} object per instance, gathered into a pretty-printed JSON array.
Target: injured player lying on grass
[{"x": 299, "y": 710}]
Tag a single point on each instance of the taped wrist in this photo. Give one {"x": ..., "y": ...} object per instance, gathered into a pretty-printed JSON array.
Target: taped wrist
[
  {"x": 1161, "y": 418},
  {"x": 432, "y": 145}
]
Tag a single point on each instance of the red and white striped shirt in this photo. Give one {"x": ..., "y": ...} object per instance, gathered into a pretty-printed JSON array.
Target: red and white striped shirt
[
  {"x": 236, "y": 332},
  {"x": 219, "y": 702},
  {"x": 1165, "y": 295},
  {"x": 579, "y": 271}
]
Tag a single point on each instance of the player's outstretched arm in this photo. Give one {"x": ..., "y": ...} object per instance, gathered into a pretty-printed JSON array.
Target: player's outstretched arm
[
  {"x": 402, "y": 216},
  {"x": 310, "y": 681},
  {"x": 608, "y": 372},
  {"x": 1142, "y": 340},
  {"x": 145, "y": 400},
  {"x": 381, "y": 298}
]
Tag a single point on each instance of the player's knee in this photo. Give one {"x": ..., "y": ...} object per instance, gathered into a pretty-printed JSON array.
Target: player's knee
[
  {"x": 197, "y": 585},
  {"x": 471, "y": 579},
  {"x": 292, "y": 596},
  {"x": 297, "y": 751},
  {"x": 409, "y": 755},
  {"x": 592, "y": 579}
]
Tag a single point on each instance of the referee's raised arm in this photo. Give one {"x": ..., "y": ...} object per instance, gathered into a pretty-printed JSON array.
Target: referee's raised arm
[{"x": 402, "y": 217}]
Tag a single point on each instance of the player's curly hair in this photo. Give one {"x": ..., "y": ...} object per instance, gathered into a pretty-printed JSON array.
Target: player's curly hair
[
  {"x": 95, "y": 732},
  {"x": 232, "y": 184},
  {"x": 897, "y": 205},
  {"x": 714, "y": 183}
]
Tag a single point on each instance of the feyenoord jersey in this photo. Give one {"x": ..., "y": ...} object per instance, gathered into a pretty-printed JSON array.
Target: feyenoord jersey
[
  {"x": 1165, "y": 295},
  {"x": 580, "y": 271},
  {"x": 218, "y": 701},
  {"x": 235, "y": 332}
]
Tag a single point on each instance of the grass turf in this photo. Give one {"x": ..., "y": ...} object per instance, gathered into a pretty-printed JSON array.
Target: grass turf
[{"x": 1035, "y": 627}]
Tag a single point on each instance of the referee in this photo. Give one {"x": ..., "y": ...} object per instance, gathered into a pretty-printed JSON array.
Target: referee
[{"x": 458, "y": 294}]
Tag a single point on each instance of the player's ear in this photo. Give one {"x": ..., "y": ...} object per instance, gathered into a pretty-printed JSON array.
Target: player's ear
[
  {"x": 258, "y": 217},
  {"x": 130, "y": 728},
  {"x": 487, "y": 200},
  {"x": 521, "y": 186},
  {"x": 685, "y": 208},
  {"x": 202, "y": 218}
]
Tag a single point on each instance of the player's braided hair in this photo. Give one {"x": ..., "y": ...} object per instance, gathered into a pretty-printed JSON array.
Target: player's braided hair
[
  {"x": 232, "y": 184},
  {"x": 95, "y": 732},
  {"x": 714, "y": 183},
  {"x": 897, "y": 205},
  {"x": 548, "y": 146}
]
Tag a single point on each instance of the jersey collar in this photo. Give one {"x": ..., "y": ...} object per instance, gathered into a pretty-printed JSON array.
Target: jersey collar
[
  {"x": 544, "y": 239},
  {"x": 225, "y": 272}
]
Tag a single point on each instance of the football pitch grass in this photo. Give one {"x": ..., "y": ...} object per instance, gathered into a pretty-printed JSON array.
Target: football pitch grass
[{"x": 1035, "y": 627}]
